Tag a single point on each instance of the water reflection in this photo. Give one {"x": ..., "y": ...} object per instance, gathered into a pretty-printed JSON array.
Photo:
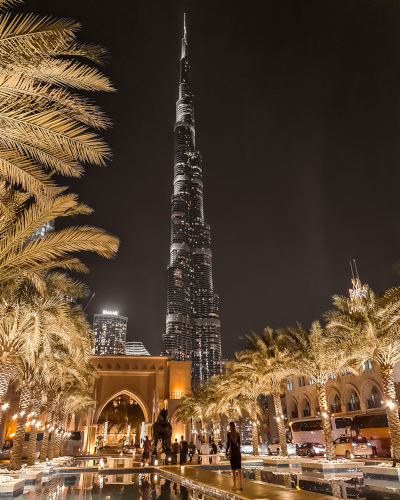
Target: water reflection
[{"x": 347, "y": 488}]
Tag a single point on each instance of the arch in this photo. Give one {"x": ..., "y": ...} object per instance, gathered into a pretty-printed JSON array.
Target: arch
[
  {"x": 293, "y": 408},
  {"x": 99, "y": 366},
  {"x": 305, "y": 406},
  {"x": 144, "y": 367},
  {"x": 152, "y": 367},
  {"x": 351, "y": 397},
  {"x": 334, "y": 400},
  {"x": 108, "y": 366},
  {"x": 161, "y": 367},
  {"x": 129, "y": 392},
  {"x": 369, "y": 387},
  {"x": 314, "y": 405}
]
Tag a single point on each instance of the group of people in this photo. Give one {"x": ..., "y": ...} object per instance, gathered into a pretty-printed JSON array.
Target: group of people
[{"x": 182, "y": 449}]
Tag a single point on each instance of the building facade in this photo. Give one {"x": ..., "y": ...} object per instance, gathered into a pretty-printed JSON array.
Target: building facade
[
  {"x": 192, "y": 322},
  {"x": 109, "y": 331},
  {"x": 136, "y": 349}
]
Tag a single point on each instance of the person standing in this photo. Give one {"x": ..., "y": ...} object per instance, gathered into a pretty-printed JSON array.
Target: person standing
[
  {"x": 146, "y": 450},
  {"x": 176, "y": 449},
  {"x": 233, "y": 446},
  {"x": 214, "y": 449},
  {"x": 159, "y": 449},
  {"x": 184, "y": 451}
]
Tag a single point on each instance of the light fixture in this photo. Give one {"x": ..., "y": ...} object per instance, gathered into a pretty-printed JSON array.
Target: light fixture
[
  {"x": 5, "y": 406},
  {"x": 15, "y": 416}
]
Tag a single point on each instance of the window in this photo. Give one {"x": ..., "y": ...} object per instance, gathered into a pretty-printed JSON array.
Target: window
[
  {"x": 302, "y": 382},
  {"x": 289, "y": 385},
  {"x": 310, "y": 381}
]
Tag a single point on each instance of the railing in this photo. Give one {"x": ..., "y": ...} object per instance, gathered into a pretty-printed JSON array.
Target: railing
[
  {"x": 336, "y": 408},
  {"x": 295, "y": 414},
  {"x": 306, "y": 413},
  {"x": 353, "y": 406},
  {"x": 374, "y": 404}
]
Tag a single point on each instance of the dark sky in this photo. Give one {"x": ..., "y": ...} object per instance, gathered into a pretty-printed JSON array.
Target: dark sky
[{"x": 297, "y": 107}]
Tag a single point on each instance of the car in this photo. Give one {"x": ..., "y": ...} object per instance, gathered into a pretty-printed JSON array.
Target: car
[
  {"x": 274, "y": 448},
  {"x": 352, "y": 446},
  {"x": 311, "y": 450},
  {"x": 247, "y": 447}
]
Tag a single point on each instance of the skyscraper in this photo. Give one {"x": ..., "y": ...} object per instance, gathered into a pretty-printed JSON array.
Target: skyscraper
[
  {"x": 193, "y": 324},
  {"x": 109, "y": 333},
  {"x": 136, "y": 349}
]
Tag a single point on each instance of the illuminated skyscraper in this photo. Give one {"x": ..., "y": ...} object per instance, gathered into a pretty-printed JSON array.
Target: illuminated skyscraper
[
  {"x": 193, "y": 324},
  {"x": 136, "y": 349},
  {"x": 109, "y": 333}
]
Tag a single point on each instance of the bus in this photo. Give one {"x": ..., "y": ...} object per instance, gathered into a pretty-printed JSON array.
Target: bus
[
  {"x": 375, "y": 426},
  {"x": 310, "y": 430}
]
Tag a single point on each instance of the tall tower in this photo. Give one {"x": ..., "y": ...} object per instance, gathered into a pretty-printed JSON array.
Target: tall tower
[
  {"x": 193, "y": 324},
  {"x": 109, "y": 331}
]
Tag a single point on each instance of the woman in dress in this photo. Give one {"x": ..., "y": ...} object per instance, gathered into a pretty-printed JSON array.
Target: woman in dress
[{"x": 233, "y": 446}]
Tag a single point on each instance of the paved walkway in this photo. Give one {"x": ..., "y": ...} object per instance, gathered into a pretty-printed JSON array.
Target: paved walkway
[{"x": 252, "y": 490}]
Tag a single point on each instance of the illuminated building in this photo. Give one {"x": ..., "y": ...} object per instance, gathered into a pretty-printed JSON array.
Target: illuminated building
[
  {"x": 109, "y": 331},
  {"x": 192, "y": 322},
  {"x": 136, "y": 349},
  {"x": 42, "y": 231}
]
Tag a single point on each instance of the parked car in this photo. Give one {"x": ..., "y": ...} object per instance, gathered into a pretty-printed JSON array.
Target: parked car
[
  {"x": 350, "y": 447},
  {"x": 247, "y": 447},
  {"x": 274, "y": 448},
  {"x": 311, "y": 450}
]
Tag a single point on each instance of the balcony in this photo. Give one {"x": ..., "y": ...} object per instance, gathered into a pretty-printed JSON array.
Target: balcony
[
  {"x": 295, "y": 414},
  {"x": 336, "y": 408},
  {"x": 374, "y": 404},
  {"x": 353, "y": 406},
  {"x": 306, "y": 413}
]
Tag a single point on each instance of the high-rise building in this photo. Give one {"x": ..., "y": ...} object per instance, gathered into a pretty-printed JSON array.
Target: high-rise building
[
  {"x": 192, "y": 323},
  {"x": 41, "y": 231},
  {"x": 109, "y": 331},
  {"x": 136, "y": 349}
]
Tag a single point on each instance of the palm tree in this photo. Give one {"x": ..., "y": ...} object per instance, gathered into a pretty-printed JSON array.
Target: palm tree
[
  {"x": 267, "y": 356},
  {"x": 317, "y": 354},
  {"x": 45, "y": 127},
  {"x": 372, "y": 332},
  {"x": 250, "y": 382},
  {"x": 20, "y": 257}
]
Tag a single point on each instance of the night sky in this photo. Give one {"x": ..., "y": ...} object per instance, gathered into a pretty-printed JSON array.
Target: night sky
[{"x": 297, "y": 106}]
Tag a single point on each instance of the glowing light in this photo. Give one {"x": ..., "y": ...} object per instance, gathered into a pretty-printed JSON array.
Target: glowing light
[
  {"x": 155, "y": 463},
  {"x": 5, "y": 406},
  {"x": 391, "y": 404},
  {"x": 110, "y": 313},
  {"x": 15, "y": 416},
  {"x": 22, "y": 413},
  {"x": 357, "y": 294},
  {"x": 11, "y": 435},
  {"x": 324, "y": 415}
]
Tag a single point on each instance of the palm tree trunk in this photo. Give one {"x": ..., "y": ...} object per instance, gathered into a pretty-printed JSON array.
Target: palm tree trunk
[
  {"x": 65, "y": 445},
  {"x": 45, "y": 441},
  {"x": 230, "y": 414},
  {"x": 37, "y": 403},
  {"x": 254, "y": 426},
  {"x": 24, "y": 402},
  {"x": 215, "y": 431},
  {"x": 326, "y": 421},
  {"x": 280, "y": 420},
  {"x": 392, "y": 411},
  {"x": 5, "y": 374}
]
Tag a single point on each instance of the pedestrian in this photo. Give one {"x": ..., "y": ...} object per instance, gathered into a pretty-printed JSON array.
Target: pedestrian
[
  {"x": 159, "y": 449},
  {"x": 176, "y": 449},
  {"x": 373, "y": 446},
  {"x": 163, "y": 457},
  {"x": 184, "y": 451},
  {"x": 233, "y": 449},
  {"x": 192, "y": 450},
  {"x": 214, "y": 450},
  {"x": 146, "y": 450},
  {"x": 145, "y": 487}
]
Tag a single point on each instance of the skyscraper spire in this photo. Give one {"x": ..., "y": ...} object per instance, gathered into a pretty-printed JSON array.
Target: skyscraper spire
[
  {"x": 184, "y": 28},
  {"x": 192, "y": 322}
]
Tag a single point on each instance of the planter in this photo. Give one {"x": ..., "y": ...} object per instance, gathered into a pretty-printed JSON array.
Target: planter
[
  {"x": 12, "y": 490},
  {"x": 321, "y": 469},
  {"x": 382, "y": 476},
  {"x": 283, "y": 463},
  {"x": 32, "y": 478}
]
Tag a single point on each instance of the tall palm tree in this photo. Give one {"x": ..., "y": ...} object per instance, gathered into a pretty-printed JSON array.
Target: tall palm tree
[
  {"x": 317, "y": 354},
  {"x": 250, "y": 382},
  {"x": 372, "y": 332},
  {"x": 266, "y": 355}
]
